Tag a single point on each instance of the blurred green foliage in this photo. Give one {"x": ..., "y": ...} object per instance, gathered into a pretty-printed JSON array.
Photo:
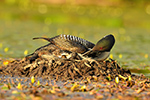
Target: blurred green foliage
[{"x": 117, "y": 15}]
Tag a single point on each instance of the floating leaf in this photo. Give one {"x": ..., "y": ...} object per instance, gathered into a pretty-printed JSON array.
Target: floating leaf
[
  {"x": 6, "y": 49},
  {"x": 19, "y": 86},
  {"x": 146, "y": 56},
  {"x": 120, "y": 55},
  {"x": 32, "y": 79},
  {"x": 25, "y": 52},
  {"x": 38, "y": 83},
  {"x": 74, "y": 86},
  {"x": 6, "y": 62}
]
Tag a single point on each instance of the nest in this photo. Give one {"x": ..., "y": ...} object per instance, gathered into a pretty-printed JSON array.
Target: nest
[{"x": 51, "y": 61}]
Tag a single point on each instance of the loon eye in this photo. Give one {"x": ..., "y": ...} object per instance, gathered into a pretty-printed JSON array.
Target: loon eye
[{"x": 101, "y": 48}]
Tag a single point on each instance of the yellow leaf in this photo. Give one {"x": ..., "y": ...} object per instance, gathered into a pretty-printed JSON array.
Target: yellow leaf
[
  {"x": 53, "y": 90},
  {"x": 19, "y": 86},
  {"x": 38, "y": 83},
  {"x": 6, "y": 49},
  {"x": 129, "y": 78},
  {"x": 88, "y": 80},
  {"x": 122, "y": 77},
  {"x": 74, "y": 86},
  {"x": 120, "y": 55},
  {"x": 25, "y": 52},
  {"x": 111, "y": 56},
  {"x": 32, "y": 79},
  {"x": 146, "y": 56},
  {"x": 83, "y": 87},
  {"x": 117, "y": 80},
  {"x": 6, "y": 62}
]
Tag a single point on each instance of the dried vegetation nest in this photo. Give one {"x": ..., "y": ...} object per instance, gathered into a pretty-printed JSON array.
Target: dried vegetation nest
[{"x": 50, "y": 61}]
